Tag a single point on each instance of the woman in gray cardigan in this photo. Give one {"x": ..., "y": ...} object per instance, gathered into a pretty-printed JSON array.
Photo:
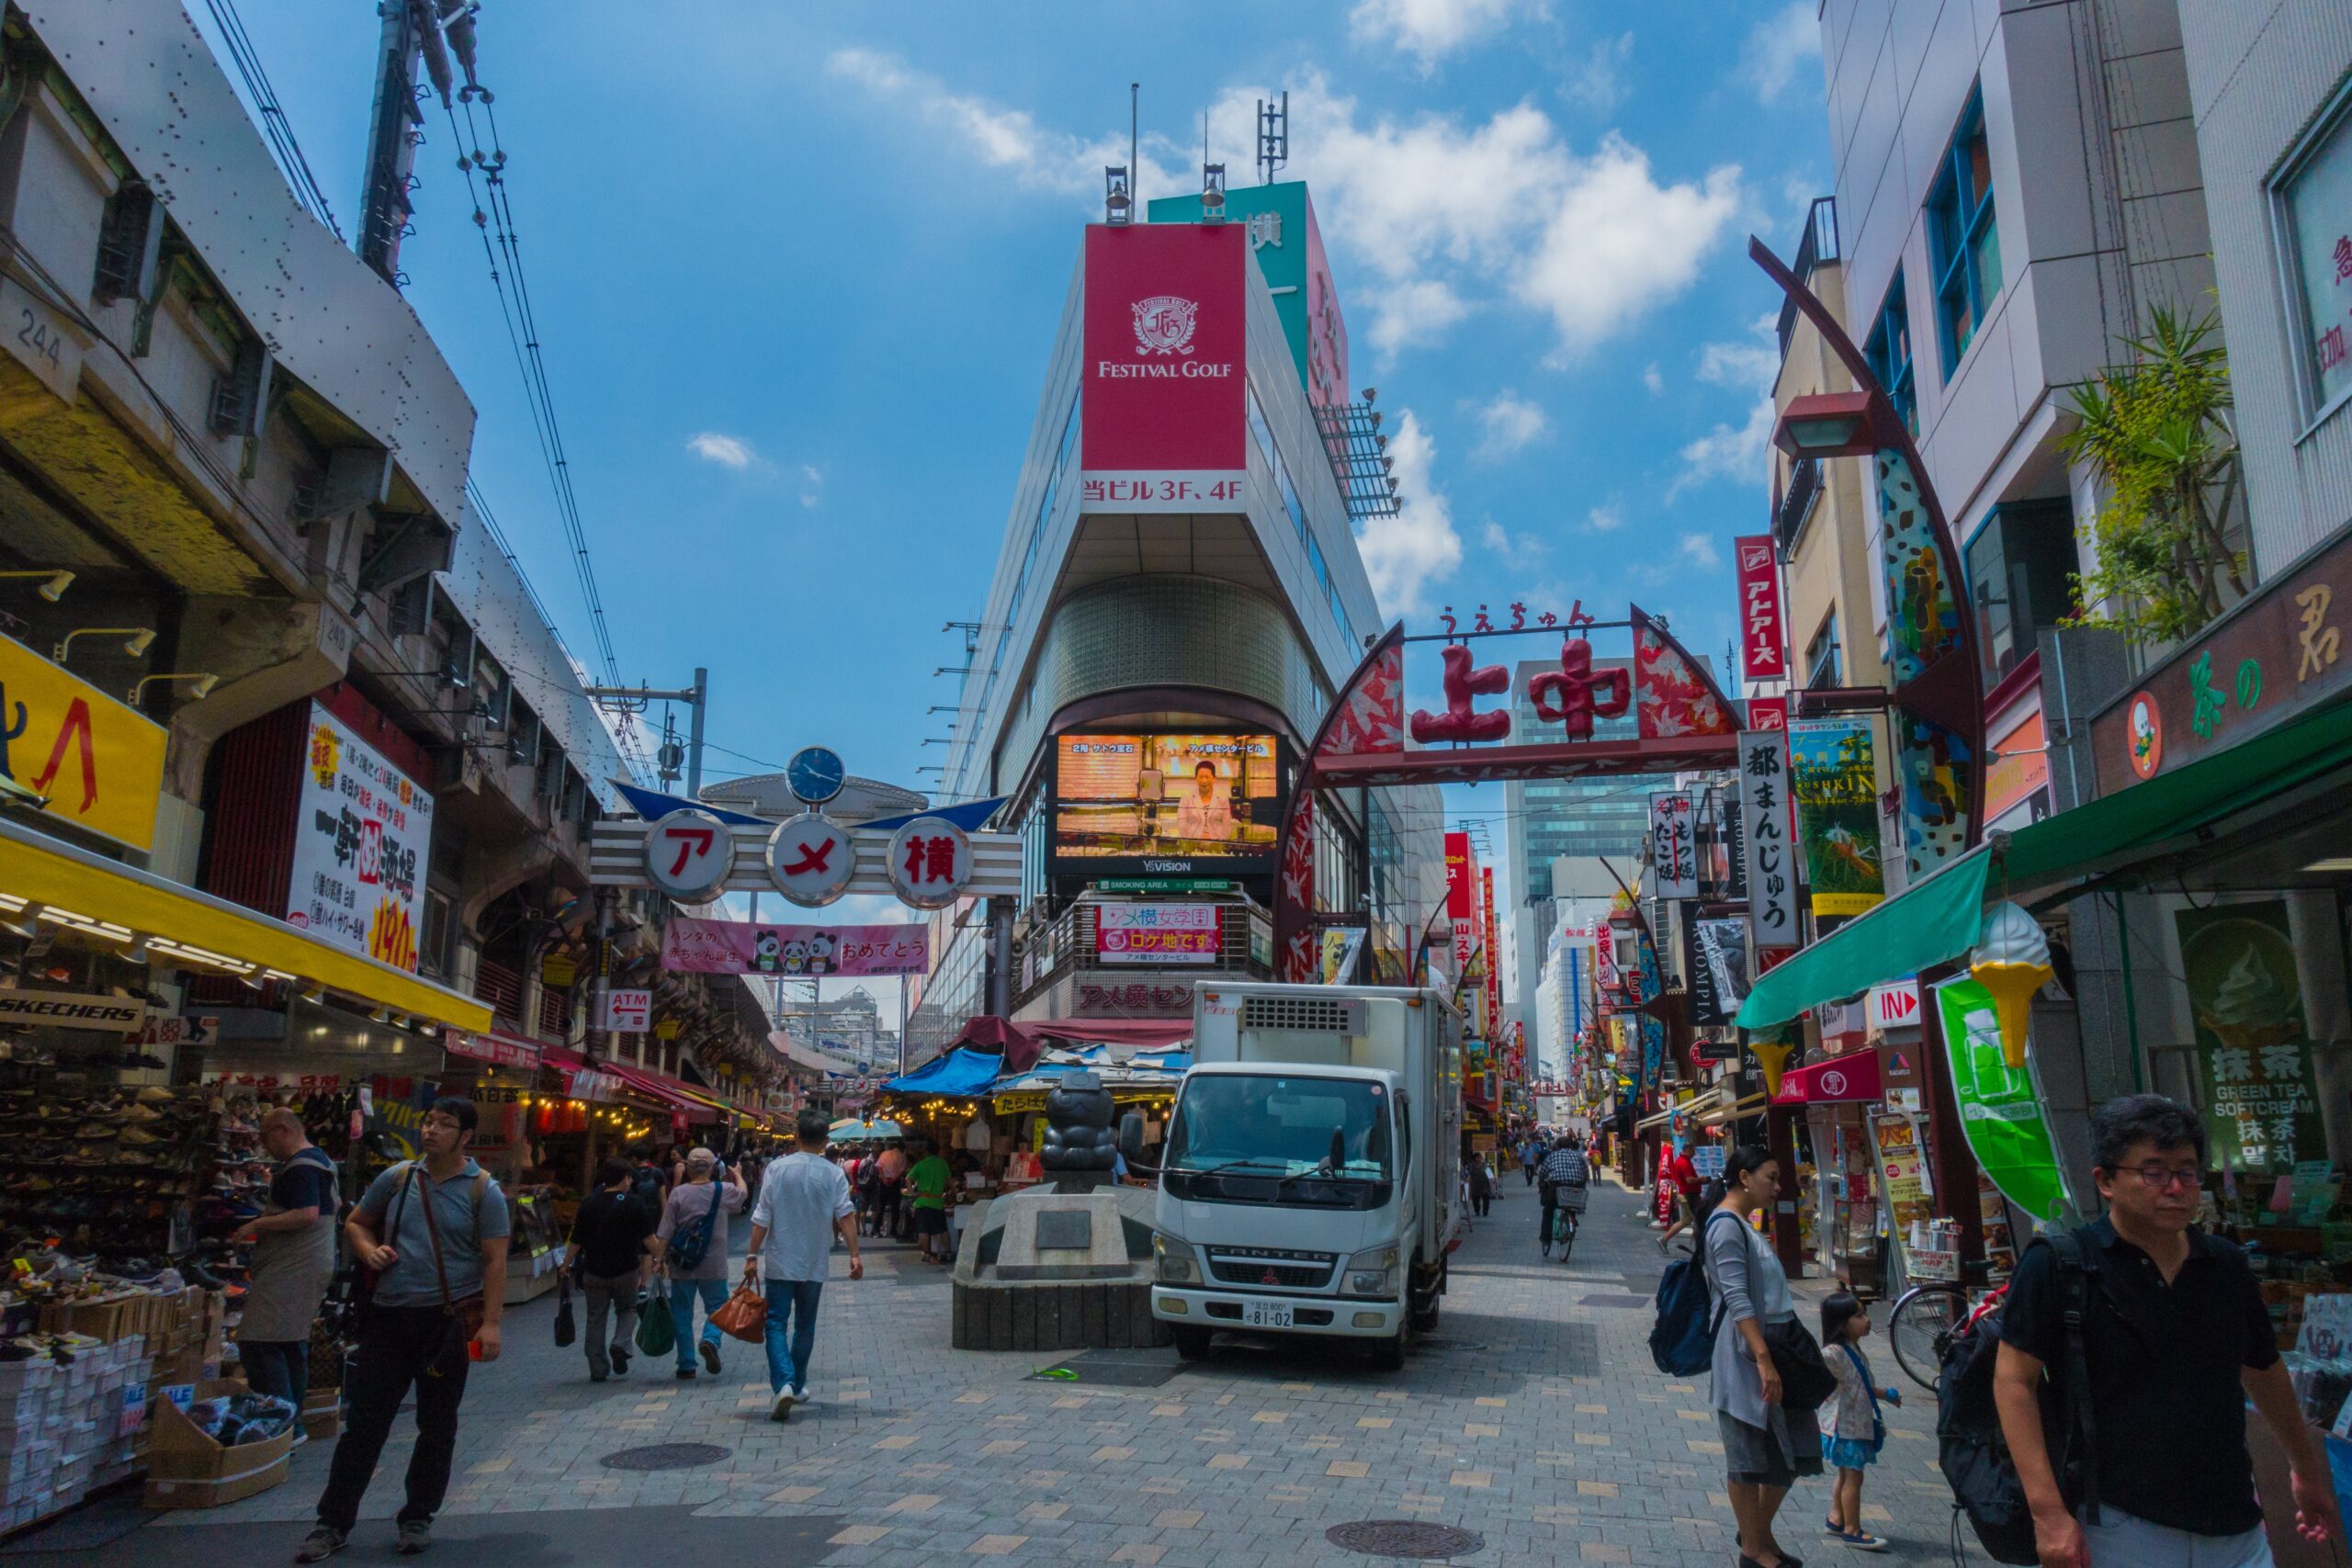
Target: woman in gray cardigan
[{"x": 1766, "y": 1445}]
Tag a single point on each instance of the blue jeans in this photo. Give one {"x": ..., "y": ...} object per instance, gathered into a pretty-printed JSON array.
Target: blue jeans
[
  {"x": 276, "y": 1367},
  {"x": 681, "y": 1311},
  {"x": 792, "y": 1331}
]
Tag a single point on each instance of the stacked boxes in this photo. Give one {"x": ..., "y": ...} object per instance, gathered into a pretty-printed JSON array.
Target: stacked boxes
[{"x": 63, "y": 1423}]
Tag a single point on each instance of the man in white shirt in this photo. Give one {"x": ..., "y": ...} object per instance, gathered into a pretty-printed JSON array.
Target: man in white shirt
[
  {"x": 1206, "y": 814},
  {"x": 804, "y": 1201}
]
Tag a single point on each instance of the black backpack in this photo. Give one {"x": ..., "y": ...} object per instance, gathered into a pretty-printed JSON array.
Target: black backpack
[{"x": 1972, "y": 1453}]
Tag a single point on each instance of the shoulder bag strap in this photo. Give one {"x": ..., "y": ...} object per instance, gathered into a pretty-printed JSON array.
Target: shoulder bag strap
[
  {"x": 440, "y": 1272},
  {"x": 1700, "y": 1258},
  {"x": 2075, "y": 1270}
]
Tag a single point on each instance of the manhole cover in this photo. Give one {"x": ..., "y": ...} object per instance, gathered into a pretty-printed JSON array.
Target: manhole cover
[
  {"x": 1607, "y": 1300},
  {"x": 666, "y": 1456},
  {"x": 1113, "y": 1369},
  {"x": 1405, "y": 1538}
]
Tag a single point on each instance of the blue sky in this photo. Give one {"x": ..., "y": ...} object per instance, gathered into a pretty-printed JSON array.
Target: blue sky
[{"x": 796, "y": 270}]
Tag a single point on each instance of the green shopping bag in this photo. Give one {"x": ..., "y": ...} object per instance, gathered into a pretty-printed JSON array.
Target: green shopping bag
[{"x": 657, "y": 1333}]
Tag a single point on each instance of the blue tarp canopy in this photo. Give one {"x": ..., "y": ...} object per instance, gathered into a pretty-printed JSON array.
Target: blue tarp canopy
[{"x": 963, "y": 1072}]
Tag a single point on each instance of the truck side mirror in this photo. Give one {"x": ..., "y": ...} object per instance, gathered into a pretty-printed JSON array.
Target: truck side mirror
[{"x": 1131, "y": 1137}]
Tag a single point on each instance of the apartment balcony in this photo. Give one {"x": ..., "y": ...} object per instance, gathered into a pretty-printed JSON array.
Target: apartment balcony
[
  {"x": 1796, "y": 503},
  {"x": 1816, "y": 248}
]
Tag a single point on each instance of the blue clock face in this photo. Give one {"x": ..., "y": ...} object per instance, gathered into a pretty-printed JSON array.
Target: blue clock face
[{"x": 814, "y": 774}]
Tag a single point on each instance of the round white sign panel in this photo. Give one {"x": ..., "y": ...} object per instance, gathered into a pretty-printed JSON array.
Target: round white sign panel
[
  {"x": 931, "y": 859},
  {"x": 810, "y": 859},
  {"x": 688, "y": 855}
]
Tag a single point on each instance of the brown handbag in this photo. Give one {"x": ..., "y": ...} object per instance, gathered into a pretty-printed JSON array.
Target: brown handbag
[
  {"x": 461, "y": 1319},
  {"x": 743, "y": 1316}
]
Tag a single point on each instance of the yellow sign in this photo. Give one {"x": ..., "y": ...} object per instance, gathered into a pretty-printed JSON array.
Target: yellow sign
[
  {"x": 1014, "y": 1101},
  {"x": 668, "y": 1029},
  {"x": 100, "y": 763},
  {"x": 558, "y": 969}
]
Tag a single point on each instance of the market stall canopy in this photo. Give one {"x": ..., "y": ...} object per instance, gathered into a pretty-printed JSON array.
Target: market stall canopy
[
  {"x": 1841, "y": 1080},
  {"x": 664, "y": 1092},
  {"x": 1022, "y": 1044},
  {"x": 964, "y": 1073},
  {"x": 200, "y": 932},
  {"x": 1938, "y": 919},
  {"x": 850, "y": 1130},
  {"x": 1119, "y": 1067}
]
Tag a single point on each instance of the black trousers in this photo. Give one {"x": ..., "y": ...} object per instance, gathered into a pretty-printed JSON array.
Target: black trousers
[
  {"x": 395, "y": 1345},
  {"x": 1478, "y": 1201},
  {"x": 886, "y": 1221}
]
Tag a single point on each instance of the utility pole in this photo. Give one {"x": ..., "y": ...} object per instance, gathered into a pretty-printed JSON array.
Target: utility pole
[
  {"x": 432, "y": 31},
  {"x": 635, "y": 699}
]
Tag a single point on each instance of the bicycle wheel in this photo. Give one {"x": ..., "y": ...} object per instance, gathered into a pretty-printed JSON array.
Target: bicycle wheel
[{"x": 1921, "y": 1326}]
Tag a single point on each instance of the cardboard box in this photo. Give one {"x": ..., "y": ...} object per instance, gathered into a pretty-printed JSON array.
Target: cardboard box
[{"x": 185, "y": 1469}]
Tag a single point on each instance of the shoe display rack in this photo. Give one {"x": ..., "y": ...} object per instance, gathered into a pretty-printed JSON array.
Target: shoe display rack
[{"x": 106, "y": 1173}]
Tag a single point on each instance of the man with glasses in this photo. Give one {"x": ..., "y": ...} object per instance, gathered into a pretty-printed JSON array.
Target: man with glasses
[{"x": 2175, "y": 1339}]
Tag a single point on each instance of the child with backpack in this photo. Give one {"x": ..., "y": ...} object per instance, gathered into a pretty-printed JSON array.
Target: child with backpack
[{"x": 1852, "y": 1433}]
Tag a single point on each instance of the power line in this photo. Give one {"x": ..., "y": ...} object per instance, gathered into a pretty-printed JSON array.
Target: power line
[{"x": 274, "y": 123}]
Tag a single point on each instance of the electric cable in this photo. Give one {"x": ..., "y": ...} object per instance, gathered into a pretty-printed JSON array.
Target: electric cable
[{"x": 275, "y": 126}]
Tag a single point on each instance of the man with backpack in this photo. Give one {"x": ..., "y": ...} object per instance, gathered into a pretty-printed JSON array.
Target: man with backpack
[
  {"x": 690, "y": 1246},
  {"x": 2154, "y": 1335}
]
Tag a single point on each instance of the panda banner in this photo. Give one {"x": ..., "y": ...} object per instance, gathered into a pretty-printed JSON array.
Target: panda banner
[{"x": 742, "y": 947}]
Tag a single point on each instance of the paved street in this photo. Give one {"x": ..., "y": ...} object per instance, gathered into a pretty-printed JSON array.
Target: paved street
[{"x": 1533, "y": 1419}]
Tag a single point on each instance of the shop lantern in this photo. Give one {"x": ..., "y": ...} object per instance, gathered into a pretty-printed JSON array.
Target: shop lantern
[{"x": 2012, "y": 961}]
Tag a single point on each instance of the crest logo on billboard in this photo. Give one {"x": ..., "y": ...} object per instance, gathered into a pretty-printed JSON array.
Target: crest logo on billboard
[{"x": 1164, "y": 324}]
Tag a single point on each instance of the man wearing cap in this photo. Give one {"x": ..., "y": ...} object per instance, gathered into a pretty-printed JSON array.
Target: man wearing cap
[
  {"x": 690, "y": 1246},
  {"x": 804, "y": 1202}
]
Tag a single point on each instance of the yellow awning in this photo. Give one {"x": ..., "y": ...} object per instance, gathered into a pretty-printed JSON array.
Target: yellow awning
[{"x": 104, "y": 898}]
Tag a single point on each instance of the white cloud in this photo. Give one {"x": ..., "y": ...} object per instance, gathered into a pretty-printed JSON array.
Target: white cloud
[
  {"x": 1593, "y": 82},
  {"x": 1512, "y": 423},
  {"x": 1700, "y": 550},
  {"x": 812, "y": 486},
  {"x": 1776, "y": 48},
  {"x": 1405, "y": 554},
  {"x": 1432, "y": 29},
  {"x": 1413, "y": 315},
  {"x": 1652, "y": 379},
  {"x": 1521, "y": 552},
  {"x": 1736, "y": 452},
  {"x": 727, "y": 451},
  {"x": 1618, "y": 243},
  {"x": 1743, "y": 366},
  {"x": 1605, "y": 519}
]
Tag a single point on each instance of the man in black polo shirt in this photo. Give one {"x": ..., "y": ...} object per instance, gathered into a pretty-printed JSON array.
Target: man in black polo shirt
[{"x": 2176, "y": 1339}]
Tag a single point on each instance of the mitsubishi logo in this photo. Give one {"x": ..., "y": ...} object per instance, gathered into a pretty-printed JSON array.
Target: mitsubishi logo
[{"x": 1271, "y": 1279}]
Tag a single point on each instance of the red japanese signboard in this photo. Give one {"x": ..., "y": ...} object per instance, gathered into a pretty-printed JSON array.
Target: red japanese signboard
[
  {"x": 1763, "y": 638},
  {"x": 1162, "y": 384}
]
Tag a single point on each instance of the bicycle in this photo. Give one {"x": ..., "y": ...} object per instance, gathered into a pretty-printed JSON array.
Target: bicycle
[
  {"x": 1920, "y": 1328},
  {"x": 1564, "y": 1231}
]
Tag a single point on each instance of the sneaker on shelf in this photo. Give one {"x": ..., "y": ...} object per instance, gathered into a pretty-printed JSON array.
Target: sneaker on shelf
[{"x": 319, "y": 1545}]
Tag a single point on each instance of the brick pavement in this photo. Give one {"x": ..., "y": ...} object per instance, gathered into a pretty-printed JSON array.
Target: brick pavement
[{"x": 1533, "y": 1416}]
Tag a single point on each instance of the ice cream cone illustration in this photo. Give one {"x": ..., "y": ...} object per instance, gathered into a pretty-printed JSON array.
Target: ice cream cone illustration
[
  {"x": 2251, "y": 1009},
  {"x": 1772, "y": 1057},
  {"x": 2012, "y": 961}
]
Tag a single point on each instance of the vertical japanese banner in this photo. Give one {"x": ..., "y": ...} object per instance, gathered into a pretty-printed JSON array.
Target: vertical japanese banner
[
  {"x": 2000, "y": 1113},
  {"x": 1461, "y": 872},
  {"x": 1674, "y": 853},
  {"x": 1763, "y": 638},
  {"x": 1833, "y": 777},
  {"x": 1161, "y": 409},
  {"x": 362, "y": 837},
  {"x": 2253, "y": 1053},
  {"x": 1494, "y": 954},
  {"x": 1767, "y": 836}
]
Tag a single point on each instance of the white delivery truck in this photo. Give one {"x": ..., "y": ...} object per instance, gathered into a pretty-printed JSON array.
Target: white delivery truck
[{"x": 1311, "y": 1173}]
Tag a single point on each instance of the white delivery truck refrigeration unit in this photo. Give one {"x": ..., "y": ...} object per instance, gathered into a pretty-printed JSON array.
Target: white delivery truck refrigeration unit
[{"x": 1311, "y": 1175}]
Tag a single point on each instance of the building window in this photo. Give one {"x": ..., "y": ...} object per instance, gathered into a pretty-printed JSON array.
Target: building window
[
  {"x": 1963, "y": 242},
  {"x": 2021, "y": 566},
  {"x": 2312, "y": 206},
  {"x": 1824, "y": 661},
  {"x": 1889, "y": 353}
]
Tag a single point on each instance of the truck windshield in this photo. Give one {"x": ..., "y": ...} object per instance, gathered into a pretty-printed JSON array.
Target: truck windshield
[{"x": 1256, "y": 1125}]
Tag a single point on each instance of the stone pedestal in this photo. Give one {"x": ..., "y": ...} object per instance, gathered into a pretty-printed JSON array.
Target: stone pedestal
[{"x": 1063, "y": 1266}]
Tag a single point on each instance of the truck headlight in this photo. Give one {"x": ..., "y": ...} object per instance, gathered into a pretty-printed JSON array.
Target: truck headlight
[
  {"x": 1372, "y": 1272},
  {"x": 1178, "y": 1263}
]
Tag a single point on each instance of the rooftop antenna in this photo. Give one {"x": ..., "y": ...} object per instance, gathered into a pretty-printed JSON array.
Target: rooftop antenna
[{"x": 1273, "y": 137}]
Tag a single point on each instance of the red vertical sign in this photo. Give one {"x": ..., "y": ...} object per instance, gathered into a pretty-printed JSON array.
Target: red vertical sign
[
  {"x": 1494, "y": 956},
  {"x": 1163, "y": 421},
  {"x": 1461, "y": 902},
  {"x": 1763, "y": 638}
]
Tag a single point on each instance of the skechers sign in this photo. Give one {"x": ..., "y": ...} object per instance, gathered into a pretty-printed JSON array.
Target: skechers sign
[
  {"x": 1162, "y": 416},
  {"x": 67, "y": 1009}
]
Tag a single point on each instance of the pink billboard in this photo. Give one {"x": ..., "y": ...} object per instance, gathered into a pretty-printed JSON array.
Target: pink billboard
[
  {"x": 1163, "y": 388},
  {"x": 737, "y": 947}
]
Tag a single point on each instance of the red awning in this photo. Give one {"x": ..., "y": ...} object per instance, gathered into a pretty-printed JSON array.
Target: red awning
[
  {"x": 662, "y": 1090},
  {"x": 1022, "y": 1044},
  {"x": 1841, "y": 1080}
]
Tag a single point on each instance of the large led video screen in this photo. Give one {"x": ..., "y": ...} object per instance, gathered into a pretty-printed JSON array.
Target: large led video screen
[{"x": 1211, "y": 799}]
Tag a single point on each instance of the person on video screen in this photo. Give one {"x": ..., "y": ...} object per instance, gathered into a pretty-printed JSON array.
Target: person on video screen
[{"x": 1206, "y": 813}]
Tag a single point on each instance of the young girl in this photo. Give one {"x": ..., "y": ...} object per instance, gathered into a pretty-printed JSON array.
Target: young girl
[{"x": 1851, "y": 1431}]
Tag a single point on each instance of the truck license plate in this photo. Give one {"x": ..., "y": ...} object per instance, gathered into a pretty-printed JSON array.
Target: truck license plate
[{"x": 1265, "y": 1314}]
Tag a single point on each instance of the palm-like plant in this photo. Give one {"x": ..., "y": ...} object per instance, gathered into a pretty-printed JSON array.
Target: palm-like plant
[{"x": 2156, "y": 431}]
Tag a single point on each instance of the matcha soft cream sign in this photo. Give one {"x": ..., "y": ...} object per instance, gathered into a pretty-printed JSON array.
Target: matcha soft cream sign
[
  {"x": 1998, "y": 1112},
  {"x": 2253, "y": 1053}
]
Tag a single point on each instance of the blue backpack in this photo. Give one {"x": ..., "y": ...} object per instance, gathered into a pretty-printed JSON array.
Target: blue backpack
[{"x": 1682, "y": 1340}]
